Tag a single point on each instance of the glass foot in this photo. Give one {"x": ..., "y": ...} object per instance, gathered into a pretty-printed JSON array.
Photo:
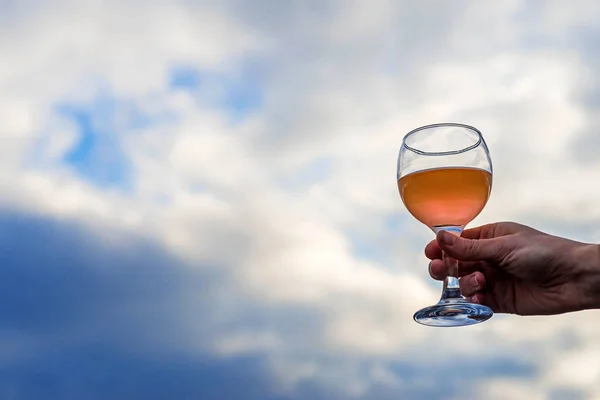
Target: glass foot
[{"x": 453, "y": 312}]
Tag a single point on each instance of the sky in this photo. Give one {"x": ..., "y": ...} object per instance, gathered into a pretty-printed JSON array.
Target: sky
[{"x": 198, "y": 198}]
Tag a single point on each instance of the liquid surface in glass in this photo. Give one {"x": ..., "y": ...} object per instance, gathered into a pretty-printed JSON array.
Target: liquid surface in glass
[{"x": 445, "y": 196}]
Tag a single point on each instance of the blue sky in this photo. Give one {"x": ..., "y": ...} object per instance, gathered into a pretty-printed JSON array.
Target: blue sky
[
  {"x": 239, "y": 95},
  {"x": 199, "y": 200},
  {"x": 97, "y": 154}
]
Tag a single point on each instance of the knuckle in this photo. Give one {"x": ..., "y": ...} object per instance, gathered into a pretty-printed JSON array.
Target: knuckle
[
  {"x": 502, "y": 252},
  {"x": 466, "y": 289}
]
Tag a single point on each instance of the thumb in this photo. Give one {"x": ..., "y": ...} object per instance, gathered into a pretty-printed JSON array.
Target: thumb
[{"x": 491, "y": 250}]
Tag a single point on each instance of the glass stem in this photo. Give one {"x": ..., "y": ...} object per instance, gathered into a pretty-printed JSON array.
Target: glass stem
[{"x": 451, "y": 289}]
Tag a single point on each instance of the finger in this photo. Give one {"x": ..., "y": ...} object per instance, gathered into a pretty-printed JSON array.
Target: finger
[
  {"x": 494, "y": 230},
  {"x": 488, "y": 231},
  {"x": 480, "y": 232},
  {"x": 477, "y": 298},
  {"x": 473, "y": 233},
  {"x": 439, "y": 270},
  {"x": 492, "y": 250},
  {"x": 433, "y": 251},
  {"x": 472, "y": 283}
]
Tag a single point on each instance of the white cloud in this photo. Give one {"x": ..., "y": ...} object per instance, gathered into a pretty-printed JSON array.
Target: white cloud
[{"x": 510, "y": 389}]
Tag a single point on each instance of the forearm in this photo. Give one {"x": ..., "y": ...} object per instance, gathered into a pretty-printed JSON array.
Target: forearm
[{"x": 587, "y": 259}]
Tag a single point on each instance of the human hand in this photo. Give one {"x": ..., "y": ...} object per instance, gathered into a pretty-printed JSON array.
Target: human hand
[{"x": 516, "y": 269}]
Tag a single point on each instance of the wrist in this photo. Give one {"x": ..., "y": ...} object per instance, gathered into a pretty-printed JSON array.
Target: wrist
[{"x": 588, "y": 275}]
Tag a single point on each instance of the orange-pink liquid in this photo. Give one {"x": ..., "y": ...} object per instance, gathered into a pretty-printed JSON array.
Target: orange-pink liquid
[{"x": 445, "y": 196}]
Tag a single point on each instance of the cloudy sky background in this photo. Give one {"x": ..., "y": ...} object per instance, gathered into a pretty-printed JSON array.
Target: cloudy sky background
[{"x": 198, "y": 198}]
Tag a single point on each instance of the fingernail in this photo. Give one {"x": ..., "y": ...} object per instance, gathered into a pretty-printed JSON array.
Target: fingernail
[
  {"x": 475, "y": 283},
  {"x": 447, "y": 238},
  {"x": 430, "y": 271},
  {"x": 473, "y": 299}
]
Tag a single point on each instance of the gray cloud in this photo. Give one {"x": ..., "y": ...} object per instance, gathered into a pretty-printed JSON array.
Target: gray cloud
[{"x": 82, "y": 318}]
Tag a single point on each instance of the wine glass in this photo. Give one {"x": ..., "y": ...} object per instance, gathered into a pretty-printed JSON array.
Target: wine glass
[{"x": 445, "y": 179}]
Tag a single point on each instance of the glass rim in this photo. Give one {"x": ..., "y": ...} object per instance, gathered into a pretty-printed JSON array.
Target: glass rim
[{"x": 443, "y": 153}]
